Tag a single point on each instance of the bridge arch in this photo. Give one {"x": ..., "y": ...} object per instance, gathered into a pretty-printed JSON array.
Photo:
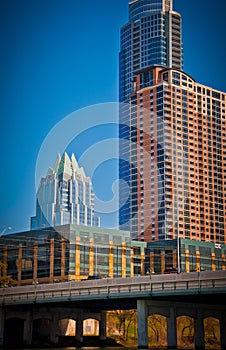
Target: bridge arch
[
  {"x": 41, "y": 329},
  {"x": 185, "y": 331},
  {"x": 67, "y": 327},
  {"x": 67, "y": 322},
  {"x": 157, "y": 330},
  {"x": 212, "y": 332},
  {"x": 68, "y": 313},
  {"x": 17, "y": 325},
  {"x": 186, "y": 312},
  {"x": 91, "y": 326},
  {"x": 158, "y": 310}
]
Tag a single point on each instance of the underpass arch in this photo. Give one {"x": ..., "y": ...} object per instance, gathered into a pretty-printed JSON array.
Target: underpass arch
[
  {"x": 91, "y": 326},
  {"x": 41, "y": 329},
  {"x": 67, "y": 326},
  {"x": 68, "y": 320},
  {"x": 185, "y": 331},
  {"x": 212, "y": 332},
  {"x": 17, "y": 325},
  {"x": 157, "y": 329}
]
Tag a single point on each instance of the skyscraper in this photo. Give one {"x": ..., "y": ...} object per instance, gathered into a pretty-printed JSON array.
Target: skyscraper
[
  {"x": 180, "y": 152},
  {"x": 151, "y": 37},
  {"x": 65, "y": 196},
  {"x": 172, "y": 137}
]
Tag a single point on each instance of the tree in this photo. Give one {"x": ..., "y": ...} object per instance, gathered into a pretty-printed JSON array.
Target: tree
[
  {"x": 185, "y": 331},
  {"x": 5, "y": 280},
  {"x": 212, "y": 331},
  {"x": 123, "y": 320},
  {"x": 157, "y": 330}
]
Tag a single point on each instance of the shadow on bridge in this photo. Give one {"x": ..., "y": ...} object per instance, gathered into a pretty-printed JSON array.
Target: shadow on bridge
[{"x": 17, "y": 335}]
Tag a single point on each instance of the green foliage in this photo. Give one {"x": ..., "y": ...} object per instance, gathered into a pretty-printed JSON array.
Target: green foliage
[
  {"x": 185, "y": 331},
  {"x": 212, "y": 333},
  {"x": 122, "y": 325},
  {"x": 5, "y": 280},
  {"x": 157, "y": 330}
]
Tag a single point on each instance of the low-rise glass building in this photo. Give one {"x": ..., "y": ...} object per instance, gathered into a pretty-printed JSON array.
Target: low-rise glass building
[
  {"x": 193, "y": 255},
  {"x": 74, "y": 252},
  {"x": 71, "y": 252}
]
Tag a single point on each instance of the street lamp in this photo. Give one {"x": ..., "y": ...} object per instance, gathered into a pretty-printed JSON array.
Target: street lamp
[
  {"x": 118, "y": 252},
  {"x": 8, "y": 228},
  {"x": 178, "y": 252},
  {"x": 35, "y": 282},
  {"x": 178, "y": 241},
  {"x": 117, "y": 260},
  {"x": 84, "y": 253},
  {"x": 95, "y": 260}
]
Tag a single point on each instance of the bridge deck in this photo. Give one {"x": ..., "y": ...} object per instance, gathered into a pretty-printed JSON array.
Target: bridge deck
[{"x": 118, "y": 288}]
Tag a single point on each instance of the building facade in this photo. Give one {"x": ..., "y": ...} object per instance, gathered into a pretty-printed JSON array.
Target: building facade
[
  {"x": 70, "y": 252},
  {"x": 65, "y": 196},
  {"x": 180, "y": 157},
  {"x": 172, "y": 136},
  {"x": 151, "y": 37},
  {"x": 162, "y": 256},
  {"x": 73, "y": 252}
]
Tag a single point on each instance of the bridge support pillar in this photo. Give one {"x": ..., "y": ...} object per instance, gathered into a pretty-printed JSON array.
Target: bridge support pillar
[
  {"x": 54, "y": 329},
  {"x": 28, "y": 325},
  {"x": 79, "y": 327},
  {"x": 142, "y": 314},
  {"x": 199, "y": 332},
  {"x": 171, "y": 329},
  {"x": 223, "y": 331},
  {"x": 2, "y": 325},
  {"x": 103, "y": 326}
]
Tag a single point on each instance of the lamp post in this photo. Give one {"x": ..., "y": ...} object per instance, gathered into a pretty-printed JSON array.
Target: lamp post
[
  {"x": 35, "y": 282},
  {"x": 117, "y": 260},
  {"x": 95, "y": 272},
  {"x": 192, "y": 262},
  {"x": 178, "y": 241},
  {"x": 84, "y": 253},
  {"x": 8, "y": 228},
  {"x": 178, "y": 252}
]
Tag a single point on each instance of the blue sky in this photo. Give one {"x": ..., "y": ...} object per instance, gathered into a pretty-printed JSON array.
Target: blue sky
[{"x": 58, "y": 56}]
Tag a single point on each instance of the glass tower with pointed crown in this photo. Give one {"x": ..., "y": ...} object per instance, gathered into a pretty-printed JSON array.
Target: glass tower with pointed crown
[{"x": 65, "y": 196}]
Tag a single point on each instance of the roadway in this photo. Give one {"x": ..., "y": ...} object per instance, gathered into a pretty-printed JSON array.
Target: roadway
[{"x": 122, "y": 292}]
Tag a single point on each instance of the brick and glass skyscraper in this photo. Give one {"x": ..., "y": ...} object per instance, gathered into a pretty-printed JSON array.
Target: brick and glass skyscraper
[
  {"x": 151, "y": 37},
  {"x": 173, "y": 138}
]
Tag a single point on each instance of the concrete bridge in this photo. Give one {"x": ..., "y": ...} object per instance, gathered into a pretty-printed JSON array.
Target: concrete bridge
[{"x": 198, "y": 295}]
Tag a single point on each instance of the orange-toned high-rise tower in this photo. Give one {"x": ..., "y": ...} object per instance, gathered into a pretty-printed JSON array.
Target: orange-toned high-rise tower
[
  {"x": 151, "y": 37},
  {"x": 172, "y": 140},
  {"x": 181, "y": 157}
]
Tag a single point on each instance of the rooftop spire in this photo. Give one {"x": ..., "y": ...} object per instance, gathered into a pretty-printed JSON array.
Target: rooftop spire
[
  {"x": 69, "y": 166},
  {"x": 57, "y": 163},
  {"x": 65, "y": 165}
]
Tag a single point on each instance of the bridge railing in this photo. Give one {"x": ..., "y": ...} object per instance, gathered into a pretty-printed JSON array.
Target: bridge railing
[{"x": 147, "y": 286}]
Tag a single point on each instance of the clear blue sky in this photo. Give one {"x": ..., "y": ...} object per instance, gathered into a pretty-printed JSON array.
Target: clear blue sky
[{"x": 58, "y": 56}]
